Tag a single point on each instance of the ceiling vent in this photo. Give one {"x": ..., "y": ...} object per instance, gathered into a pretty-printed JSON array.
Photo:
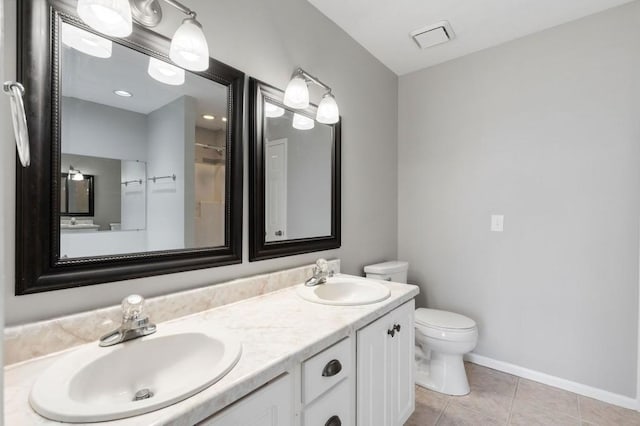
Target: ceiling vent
[{"x": 433, "y": 35}]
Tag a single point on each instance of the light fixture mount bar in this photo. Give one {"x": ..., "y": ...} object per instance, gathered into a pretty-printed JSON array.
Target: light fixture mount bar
[
  {"x": 148, "y": 13},
  {"x": 181, "y": 7},
  {"x": 311, "y": 78}
]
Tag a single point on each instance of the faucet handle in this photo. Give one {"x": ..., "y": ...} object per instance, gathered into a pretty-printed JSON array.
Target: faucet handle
[
  {"x": 132, "y": 307},
  {"x": 322, "y": 265}
]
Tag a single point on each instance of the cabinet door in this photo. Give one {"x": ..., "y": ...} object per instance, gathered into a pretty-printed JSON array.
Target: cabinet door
[
  {"x": 373, "y": 386},
  {"x": 271, "y": 405},
  {"x": 401, "y": 364}
]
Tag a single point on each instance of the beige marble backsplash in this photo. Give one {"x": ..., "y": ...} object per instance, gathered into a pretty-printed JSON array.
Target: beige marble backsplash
[{"x": 32, "y": 340}]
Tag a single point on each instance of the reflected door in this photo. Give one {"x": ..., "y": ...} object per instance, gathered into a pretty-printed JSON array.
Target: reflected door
[{"x": 276, "y": 190}]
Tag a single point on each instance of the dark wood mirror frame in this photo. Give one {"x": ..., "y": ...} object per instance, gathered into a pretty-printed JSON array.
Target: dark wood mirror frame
[
  {"x": 260, "y": 249},
  {"x": 38, "y": 264}
]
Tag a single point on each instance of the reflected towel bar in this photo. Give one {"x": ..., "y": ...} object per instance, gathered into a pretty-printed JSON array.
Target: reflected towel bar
[{"x": 154, "y": 178}]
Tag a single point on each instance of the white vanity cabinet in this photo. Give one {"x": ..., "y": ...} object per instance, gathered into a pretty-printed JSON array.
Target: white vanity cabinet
[
  {"x": 385, "y": 385},
  {"x": 271, "y": 405},
  {"x": 365, "y": 379}
]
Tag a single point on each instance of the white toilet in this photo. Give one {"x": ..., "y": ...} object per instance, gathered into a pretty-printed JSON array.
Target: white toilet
[{"x": 442, "y": 338}]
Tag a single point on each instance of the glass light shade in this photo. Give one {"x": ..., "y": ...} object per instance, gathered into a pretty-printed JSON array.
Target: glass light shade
[
  {"x": 86, "y": 42},
  {"x": 189, "y": 48},
  {"x": 165, "y": 73},
  {"x": 296, "y": 94},
  {"x": 110, "y": 17},
  {"x": 272, "y": 111},
  {"x": 302, "y": 122},
  {"x": 328, "y": 112}
]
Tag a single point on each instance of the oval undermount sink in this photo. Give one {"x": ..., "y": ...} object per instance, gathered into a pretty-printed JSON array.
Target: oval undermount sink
[
  {"x": 96, "y": 384},
  {"x": 344, "y": 290}
]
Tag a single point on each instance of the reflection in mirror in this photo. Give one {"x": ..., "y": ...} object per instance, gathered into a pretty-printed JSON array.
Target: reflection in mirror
[
  {"x": 153, "y": 140},
  {"x": 297, "y": 175}
]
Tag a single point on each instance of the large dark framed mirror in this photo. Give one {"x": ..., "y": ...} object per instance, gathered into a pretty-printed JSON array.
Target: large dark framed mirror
[
  {"x": 162, "y": 147},
  {"x": 294, "y": 177}
]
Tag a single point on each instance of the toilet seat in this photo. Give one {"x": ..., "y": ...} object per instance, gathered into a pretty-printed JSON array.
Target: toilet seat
[{"x": 442, "y": 324}]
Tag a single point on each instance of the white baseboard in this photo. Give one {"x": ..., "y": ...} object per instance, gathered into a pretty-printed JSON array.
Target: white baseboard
[{"x": 536, "y": 376}]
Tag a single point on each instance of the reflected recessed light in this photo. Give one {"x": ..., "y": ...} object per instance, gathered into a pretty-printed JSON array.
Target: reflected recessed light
[
  {"x": 208, "y": 116},
  {"x": 224, "y": 119},
  {"x": 123, "y": 93}
]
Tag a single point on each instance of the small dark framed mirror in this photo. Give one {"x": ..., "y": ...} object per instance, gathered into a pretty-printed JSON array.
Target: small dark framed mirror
[
  {"x": 76, "y": 195},
  {"x": 136, "y": 164},
  {"x": 294, "y": 173}
]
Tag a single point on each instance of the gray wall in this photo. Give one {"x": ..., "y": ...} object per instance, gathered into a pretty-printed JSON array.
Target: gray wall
[
  {"x": 100, "y": 130},
  {"x": 171, "y": 132},
  {"x": 546, "y": 131},
  {"x": 268, "y": 43},
  {"x": 6, "y": 220},
  {"x": 106, "y": 185}
]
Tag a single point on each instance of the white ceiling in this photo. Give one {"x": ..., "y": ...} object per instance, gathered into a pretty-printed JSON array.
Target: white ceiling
[
  {"x": 94, "y": 79},
  {"x": 383, "y": 26}
]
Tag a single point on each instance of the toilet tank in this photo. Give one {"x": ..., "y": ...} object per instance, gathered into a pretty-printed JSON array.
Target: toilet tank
[{"x": 395, "y": 270}]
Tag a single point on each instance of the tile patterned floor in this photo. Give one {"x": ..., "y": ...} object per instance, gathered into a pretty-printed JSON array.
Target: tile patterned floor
[{"x": 498, "y": 398}]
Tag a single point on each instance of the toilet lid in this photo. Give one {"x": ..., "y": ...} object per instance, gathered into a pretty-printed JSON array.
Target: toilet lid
[{"x": 443, "y": 319}]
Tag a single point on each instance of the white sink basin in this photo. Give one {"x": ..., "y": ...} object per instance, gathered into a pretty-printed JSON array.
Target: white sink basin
[
  {"x": 96, "y": 384},
  {"x": 344, "y": 290}
]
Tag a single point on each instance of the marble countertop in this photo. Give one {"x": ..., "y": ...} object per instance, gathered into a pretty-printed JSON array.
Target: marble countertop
[{"x": 277, "y": 330}]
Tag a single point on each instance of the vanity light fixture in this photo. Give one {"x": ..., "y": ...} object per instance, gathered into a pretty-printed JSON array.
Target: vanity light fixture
[
  {"x": 296, "y": 96},
  {"x": 189, "y": 48},
  {"x": 302, "y": 122},
  {"x": 224, "y": 119},
  {"x": 165, "y": 73},
  {"x": 123, "y": 93},
  {"x": 86, "y": 42},
  {"x": 208, "y": 117},
  {"x": 75, "y": 174},
  {"x": 273, "y": 111}
]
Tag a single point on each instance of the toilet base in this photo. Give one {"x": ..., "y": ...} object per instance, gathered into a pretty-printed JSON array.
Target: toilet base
[{"x": 442, "y": 373}]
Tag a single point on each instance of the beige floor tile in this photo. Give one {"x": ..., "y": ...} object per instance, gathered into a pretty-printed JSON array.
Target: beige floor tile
[
  {"x": 551, "y": 400},
  {"x": 458, "y": 415},
  {"x": 429, "y": 406},
  {"x": 601, "y": 413},
  {"x": 536, "y": 415},
  {"x": 491, "y": 392}
]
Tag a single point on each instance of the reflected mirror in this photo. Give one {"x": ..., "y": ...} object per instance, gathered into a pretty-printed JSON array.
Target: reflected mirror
[
  {"x": 147, "y": 156},
  {"x": 295, "y": 178}
]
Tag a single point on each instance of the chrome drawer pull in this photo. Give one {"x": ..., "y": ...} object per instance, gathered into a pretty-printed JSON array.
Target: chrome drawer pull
[{"x": 332, "y": 368}]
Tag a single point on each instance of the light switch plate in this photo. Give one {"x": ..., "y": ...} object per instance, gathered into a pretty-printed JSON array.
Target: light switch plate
[{"x": 497, "y": 222}]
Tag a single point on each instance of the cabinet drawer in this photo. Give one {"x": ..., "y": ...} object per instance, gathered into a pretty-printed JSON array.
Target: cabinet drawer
[
  {"x": 325, "y": 369},
  {"x": 331, "y": 409}
]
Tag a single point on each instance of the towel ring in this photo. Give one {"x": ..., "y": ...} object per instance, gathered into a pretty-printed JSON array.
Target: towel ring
[{"x": 15, "y": 91}]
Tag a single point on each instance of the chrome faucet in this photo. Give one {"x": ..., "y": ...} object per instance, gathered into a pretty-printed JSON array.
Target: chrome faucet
[
  {"x": 320, "y": 273},
  {"x": 135, "y": 323}
]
